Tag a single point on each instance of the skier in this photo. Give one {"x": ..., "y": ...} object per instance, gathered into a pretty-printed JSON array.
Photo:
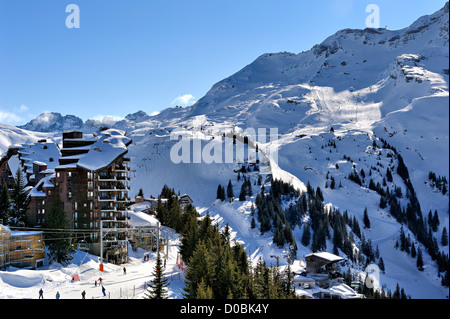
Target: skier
[
  {"x": 83, "y": 294},
  {"x": 124, "y": 271},
  {"x": 41, "y": 294},
  {"x": 104, "y": 291},
  {"x": 57, "y": 295}
]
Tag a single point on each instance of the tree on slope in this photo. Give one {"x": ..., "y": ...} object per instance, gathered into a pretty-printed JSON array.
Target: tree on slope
[
  {"x": 58, "y": 241},
  {"x": 19, "y": 200},
  {"x": 230, "y": 193},
  {"x": 157, "y": 288},
  {"x": 366, "y": 219}
]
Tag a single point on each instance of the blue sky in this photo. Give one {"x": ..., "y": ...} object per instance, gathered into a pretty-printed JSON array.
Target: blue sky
[{"x": 131, "y": 55}]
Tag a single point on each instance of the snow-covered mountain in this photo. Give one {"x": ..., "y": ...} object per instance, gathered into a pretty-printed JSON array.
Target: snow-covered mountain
[
  {"x": 354, "y": 102},
  {"x": 52, "y": 122}
]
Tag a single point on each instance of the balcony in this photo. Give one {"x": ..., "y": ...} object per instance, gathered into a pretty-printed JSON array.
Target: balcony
[
  {"x": 122, "y": 178},
  {"x": 123, "y": 199},
  {"x": 107, "y": 178},
  {"x": 121, "y": 169},
  {"x": 106, "y": 198}
]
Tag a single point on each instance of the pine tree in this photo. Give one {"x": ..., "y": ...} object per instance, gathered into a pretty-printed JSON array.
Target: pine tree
[
  {"x": 58, "y": 242},
  {"x": 419, "y": 260},
  {"x": 220, "y": 193},
  {"x": 5, "y": 204},
  {"x": 381, "y": 264},
  {"x": 253, "y": 223},
  {"x": 444, "y": 237},
  {"x": 204, "y": 291},
  {"x": 230, "y": 193},
  {"x": 366, "y": 219},
  {"x": 157, "y": 288},
  {"x": 19, "y": 200},
  {"x": 201, "y": 266},
  {"x": 243, "y": 192}
]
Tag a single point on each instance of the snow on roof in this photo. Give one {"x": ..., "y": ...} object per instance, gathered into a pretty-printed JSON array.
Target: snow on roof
[
  {"x": 44, "y": 182},
  {"x": 47, "y": 153},
  {"x": 139, "y": 207},
  {"x": 326, "y": 256},
  {"x": 14, "y": 165},
  {"x": 110, "y": 145},
  {"x": 16, "y": 233},
  {"x": 39, "y": 163},
  {"x": 140, "y": 219}
]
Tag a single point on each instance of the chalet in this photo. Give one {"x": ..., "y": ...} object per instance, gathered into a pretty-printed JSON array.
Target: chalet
[
  {"x": 185, "y": 200},
  {"x": 322, "y": 263},
  {"x": 21, "y": 249}
]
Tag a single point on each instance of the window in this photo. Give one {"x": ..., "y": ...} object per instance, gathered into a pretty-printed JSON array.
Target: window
[
  {"x": 69, "y": 174},
  {"x": 75, "y": 216},
  {"x": 69, "y": 194}
]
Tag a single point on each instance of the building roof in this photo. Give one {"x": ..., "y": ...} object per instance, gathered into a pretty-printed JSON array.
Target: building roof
[
  {"x": 110, "y": 145},
  {"x": 326, "y": 256}
]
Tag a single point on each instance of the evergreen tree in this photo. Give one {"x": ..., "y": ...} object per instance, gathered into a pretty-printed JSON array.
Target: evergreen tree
[
  {"x": 157, "y": 288},
  {"x": 419, "y": 260},
  {"x": 444, "y": 237},
  {"x": 230, "y": 193},
  {"x": 381, "y": 264},
  {"x": 19, "y": 200},
  {"x": 333, "y": 183},
  {"x": 58, "y": 241},
  {"x": 253, "y": 223},
  {"x": 220, "y": 193},
  {"x": 243, "y": 192},
  {"x": 204, "y": 291},
  {"x": 201, "y": 266},
  {"x": 5, "y": 204},
  {"x": 366, "y": 219}
]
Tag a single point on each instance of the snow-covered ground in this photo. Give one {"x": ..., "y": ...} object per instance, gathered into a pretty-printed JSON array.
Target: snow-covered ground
[{"x": 25, "y": 284}]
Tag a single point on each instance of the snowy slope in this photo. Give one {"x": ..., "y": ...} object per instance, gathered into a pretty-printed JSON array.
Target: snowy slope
[{"x": 355, "y": 88}]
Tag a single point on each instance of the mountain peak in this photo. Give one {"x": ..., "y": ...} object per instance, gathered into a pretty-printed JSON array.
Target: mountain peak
[{"x": 53, "y": 121}]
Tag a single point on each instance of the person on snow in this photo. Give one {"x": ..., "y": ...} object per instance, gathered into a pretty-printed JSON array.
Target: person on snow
[
  {"x": 83, "y": 294},
  {"x": 57, "y": 295},
  {"x": 124, "y": 271},
  {"x": 41, "y": 294},
  {"x": 104, "y": 291}
]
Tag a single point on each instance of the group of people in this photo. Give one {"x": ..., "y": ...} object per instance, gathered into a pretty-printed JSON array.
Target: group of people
[
  {"x": 58, "y": 295},
  {"x": 83, "y": 293}
]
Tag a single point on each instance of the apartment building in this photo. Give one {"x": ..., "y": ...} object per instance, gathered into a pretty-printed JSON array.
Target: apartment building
[{"x": 90, "y": 176}]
